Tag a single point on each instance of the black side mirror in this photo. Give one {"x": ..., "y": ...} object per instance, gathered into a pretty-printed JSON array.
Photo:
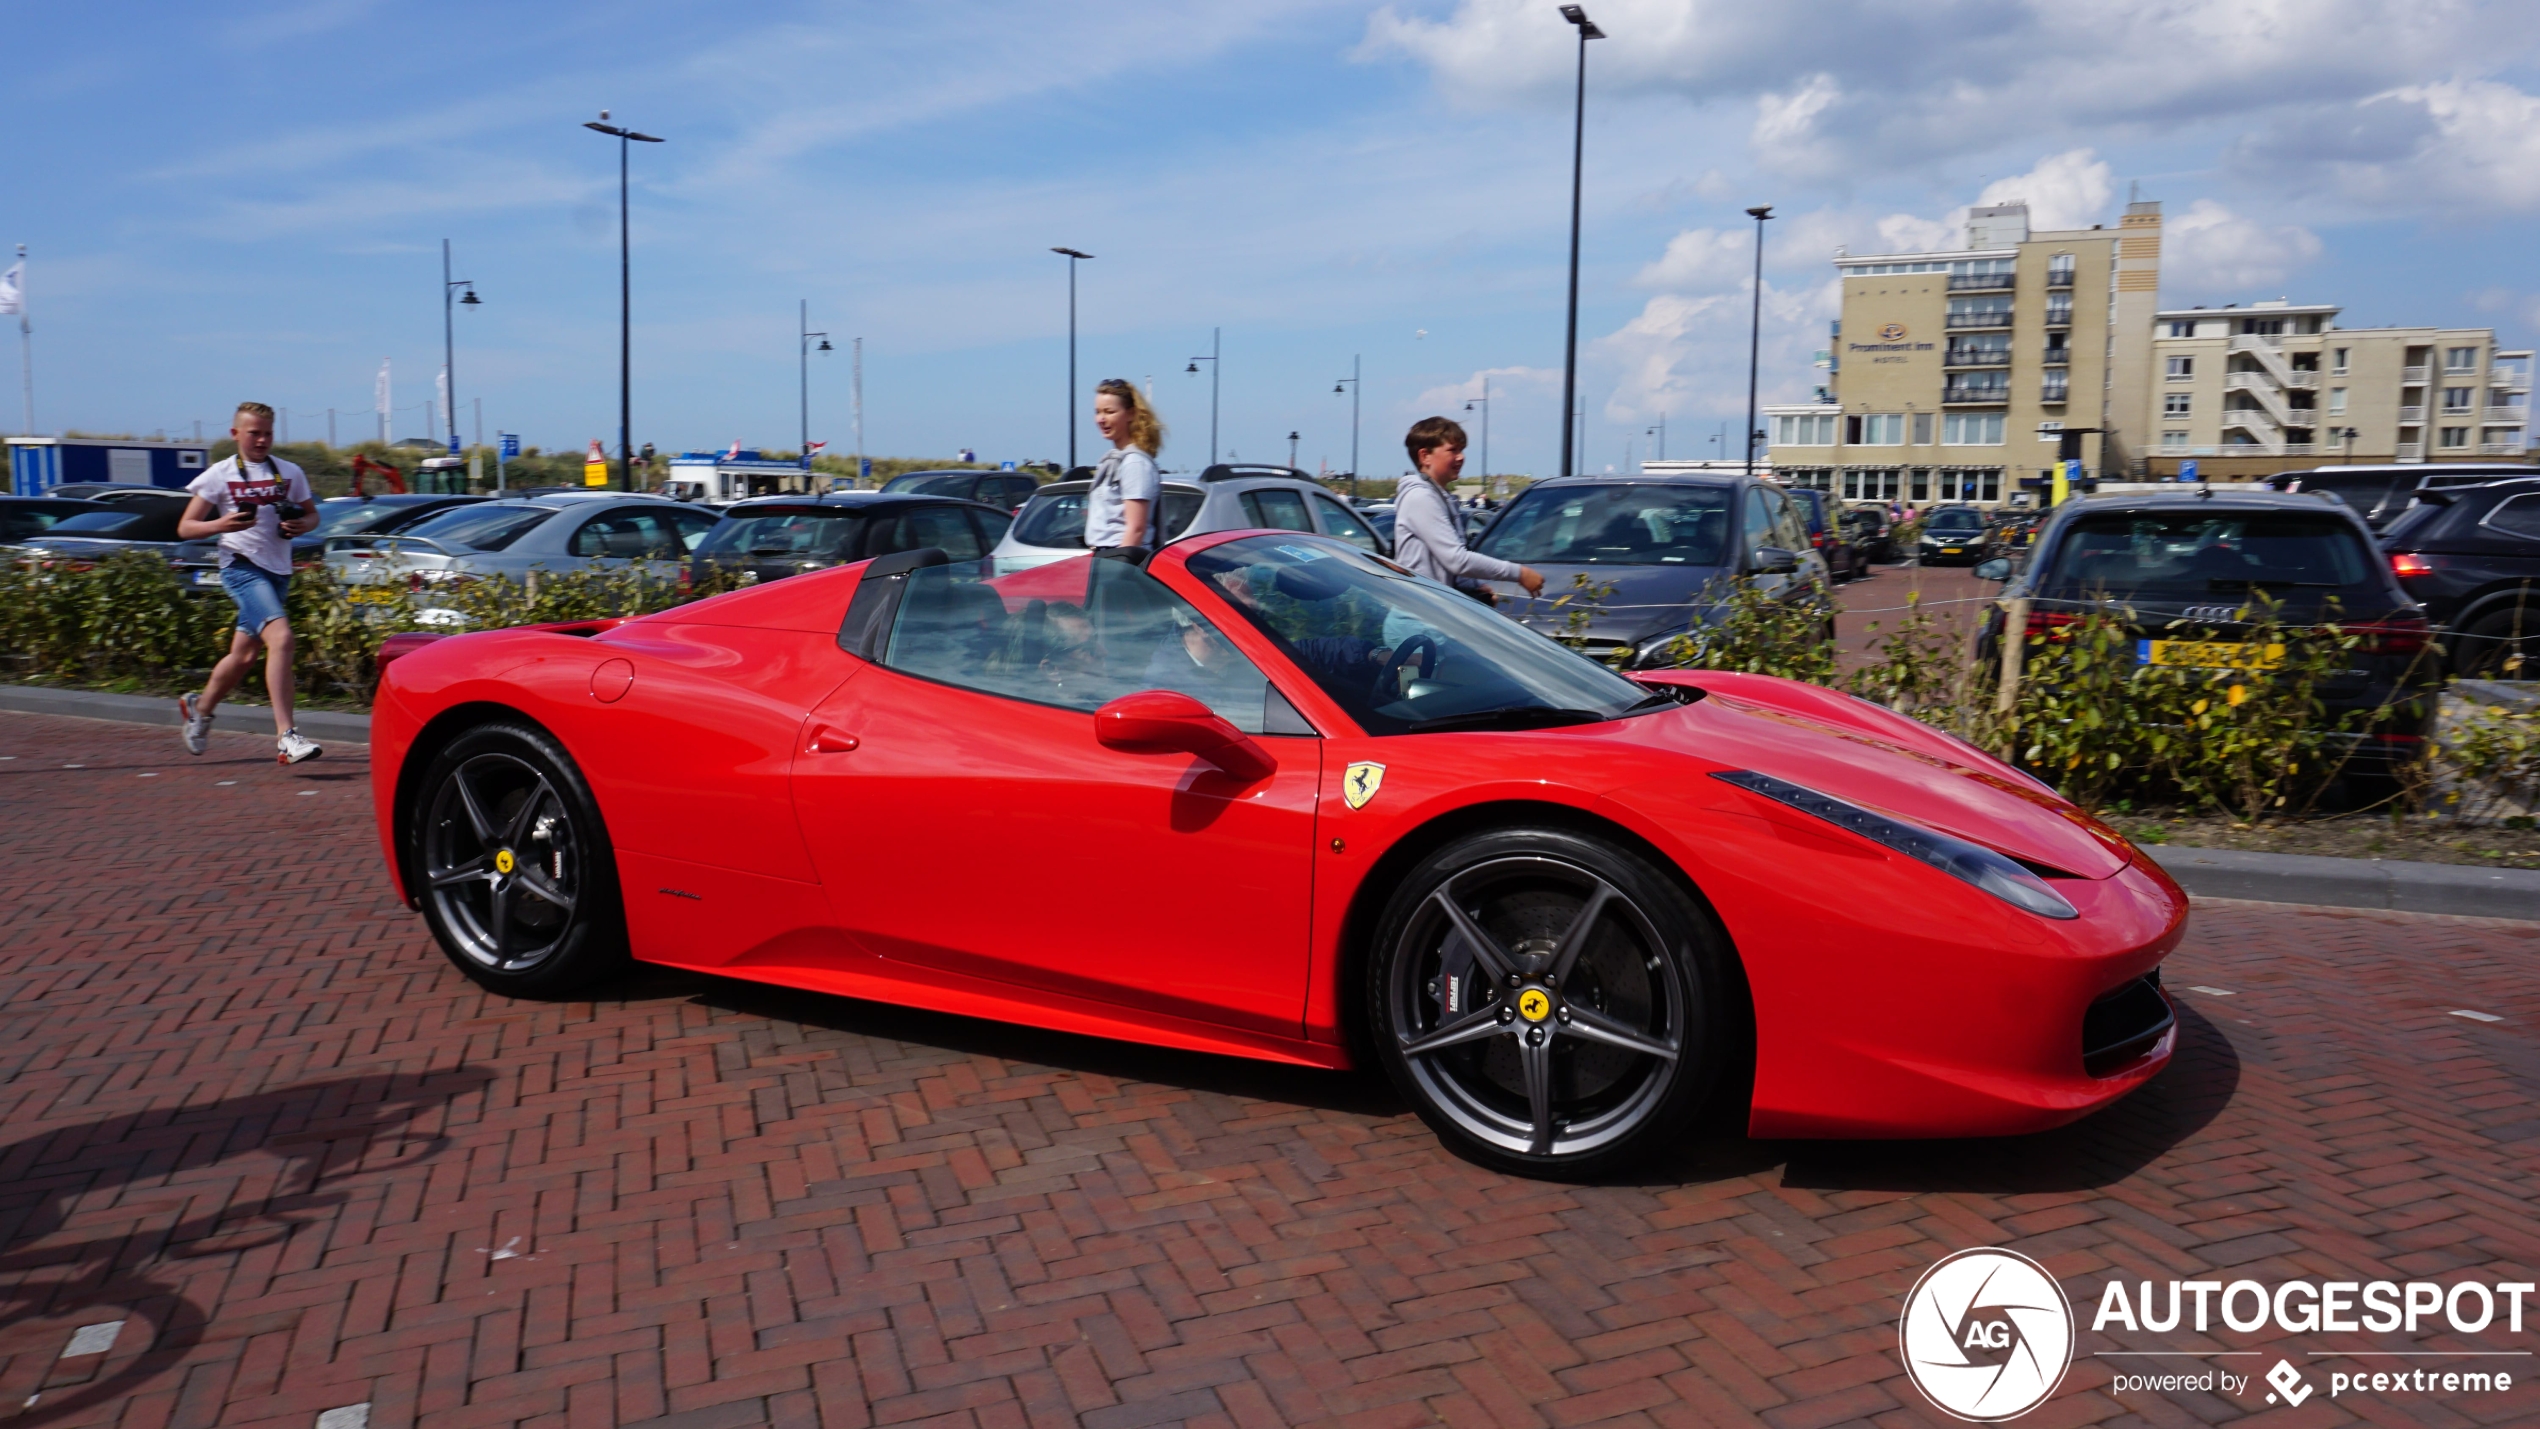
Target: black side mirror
[
  {"x": 1997, "y": 569},
  {"x": 1775, "y": 561}
]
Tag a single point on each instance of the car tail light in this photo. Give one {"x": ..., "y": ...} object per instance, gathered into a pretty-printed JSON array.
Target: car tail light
[
  {"x": 2042, "y": 623},
  {"x": 1818, "y": 540},
  {"x": 2390, "y": 637},
  {"x": 2404, "y": 564},
  {"x": 687, "y": 580}
]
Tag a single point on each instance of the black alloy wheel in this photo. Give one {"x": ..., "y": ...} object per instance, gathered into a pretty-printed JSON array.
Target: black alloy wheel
[
  {"x": 2504, "y": 645},
  {"x": 517, "y": 877},
  {"x": 1551, "y": 1004}
]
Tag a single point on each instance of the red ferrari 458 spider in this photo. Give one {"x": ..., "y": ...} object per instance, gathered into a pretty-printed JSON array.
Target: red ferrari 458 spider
[{"x": 1267, "y": 795}]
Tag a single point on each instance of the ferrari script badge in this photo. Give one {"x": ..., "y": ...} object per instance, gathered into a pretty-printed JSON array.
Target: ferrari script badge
[
  {"x": 1360, "y": 782},
  {"x": 1534, "y": 1004},
  {"x": 503, "y": 861}
]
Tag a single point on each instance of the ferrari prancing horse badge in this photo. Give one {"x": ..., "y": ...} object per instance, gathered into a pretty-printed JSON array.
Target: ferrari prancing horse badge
[{"x": 1360, "y": 782}]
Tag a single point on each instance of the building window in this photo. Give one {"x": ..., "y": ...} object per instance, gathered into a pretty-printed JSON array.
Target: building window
[
  {"x": 2186, "y": 328},
  {"x": 1876, "y": 429},
  {"x": 1972, "y": 429},
  {"x": 2182, "y": 368},
  {"x": 2174, "y": 441},
  {"x": 2456, "y": 399},
  {"x": 2262, "y": 327},
  {"x": 2337, "y": 361},
  {"x": 1808, "y": 429},
  {"x": 2175, "y": 404},
  {"x": 1922, "y": 429},
  {"x": 2454, "y": 437},
  {"x": 2337, "y": 401},
  {"x": 2460, "y": 359},
  {"x": 1921, "y": 490}
]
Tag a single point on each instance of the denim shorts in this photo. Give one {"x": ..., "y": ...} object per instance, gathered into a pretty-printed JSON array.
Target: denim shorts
[{"x": 258, "y": 593}]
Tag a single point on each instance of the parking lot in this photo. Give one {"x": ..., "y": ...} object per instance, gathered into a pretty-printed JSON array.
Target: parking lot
[{"x": 249, "y": 1114}]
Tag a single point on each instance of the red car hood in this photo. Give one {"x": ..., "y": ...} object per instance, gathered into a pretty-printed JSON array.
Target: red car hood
[{"x": 1881, "y": 760}]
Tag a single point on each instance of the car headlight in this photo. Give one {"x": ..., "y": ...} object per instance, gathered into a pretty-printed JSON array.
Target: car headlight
[{"x": 1969, "y": 862}]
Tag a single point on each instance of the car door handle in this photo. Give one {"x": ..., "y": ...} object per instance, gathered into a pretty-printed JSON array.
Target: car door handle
[{"x": 825, "y": 740}]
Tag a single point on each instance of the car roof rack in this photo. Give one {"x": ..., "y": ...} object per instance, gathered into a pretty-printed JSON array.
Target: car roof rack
[{"x": 1230, "y": 471}]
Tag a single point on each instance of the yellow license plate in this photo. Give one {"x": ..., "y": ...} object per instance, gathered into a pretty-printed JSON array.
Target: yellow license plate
[
  {"x": 372, "y": 595},
  {"x": 1953, "y": 550},
  {"x": 2209, "y": 654}
]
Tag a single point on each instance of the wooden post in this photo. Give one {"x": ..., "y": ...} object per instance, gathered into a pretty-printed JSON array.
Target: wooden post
[{"x": 2014, "y": 640}]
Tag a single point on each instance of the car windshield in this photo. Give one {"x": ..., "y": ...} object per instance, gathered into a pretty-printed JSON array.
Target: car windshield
[
  {"x": 1625, "y": 524},
  {"x": 96, "y": 523},
  {"x": 833, "y": 533},
  {"x": 2196, "y": 552},
  {"x": 1402, "y": 655},
  {"x": 931, "y": 482},
  {"x": 351, "y": 518},
  {"x": 1959, "y": 519},
  {"x": 483, "y": 528},
  {"x": 1058, "y": 518}
]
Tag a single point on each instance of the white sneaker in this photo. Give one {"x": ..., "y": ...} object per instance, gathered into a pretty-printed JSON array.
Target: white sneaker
[
  {"x": 294, "y": 747},
  {"x": 198, "y": 727}
]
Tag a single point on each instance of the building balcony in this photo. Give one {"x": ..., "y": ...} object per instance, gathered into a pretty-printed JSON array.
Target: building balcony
[
  {"x": 2059, "y": 315},
  {"x": 1978, "y": 320},
  {"x": 2506, "y": 411},
  {"x": 2300, "y": 377},
  {"x": 1976, "y": 394},
  {"x": 2059, "y": 277},
  {"x": 2054, "y": 388},
  {"x": 2503, "y": 448},
  {"x": 2059, "y": 357},
  {"x": 1977, "y": 357},
  {"x": 1979, "y": 282},
  {"x": 2411, "y": 451},
  {"x": 2412, "y": 416},
  {"x": 2412, "y": 376}
]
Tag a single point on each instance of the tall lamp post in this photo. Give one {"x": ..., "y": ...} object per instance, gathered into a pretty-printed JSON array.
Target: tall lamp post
[
  {"x": 625, "y": 304},
  {"x": 1755, "y": 331},
  {"x": 1073, "y": 258},
  {"x": 1578, "y": 153},
  {"x": 449, "y": 348},
  {"x": 1351, "y": 382},
  {"x": 1210, "y": 357},
  {"x": 1292, "y": 441},
  {"x": 802, "y": 360},
  {"x": 1660, "y": 432},
  {"x": 1483, "y": 402}
]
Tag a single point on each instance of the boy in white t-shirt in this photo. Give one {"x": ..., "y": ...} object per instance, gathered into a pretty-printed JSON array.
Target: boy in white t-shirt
[{"x": 255, "y": 503}]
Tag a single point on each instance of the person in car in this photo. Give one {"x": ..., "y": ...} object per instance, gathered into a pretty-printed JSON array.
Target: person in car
[
  {"x": 1120, "y": 507},
  {"x": 1428, "y": 531}
]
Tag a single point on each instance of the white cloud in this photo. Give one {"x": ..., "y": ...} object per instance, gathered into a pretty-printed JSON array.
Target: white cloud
[
  {"x": 1701, "y": 258},
  {"x": 1786, "y": 135},
  {"x": 2473, "y": 144},
  {"x": 2067, "y": 190},
  {"x": 1686, "y": 354},
  {"x": 2211, "y": 252}
]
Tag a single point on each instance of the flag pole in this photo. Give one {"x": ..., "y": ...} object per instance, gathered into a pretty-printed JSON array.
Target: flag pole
[{"x": 26, "y": 344}]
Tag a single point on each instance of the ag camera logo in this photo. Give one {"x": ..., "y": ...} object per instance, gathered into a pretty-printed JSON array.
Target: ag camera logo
[{"x": 1987, "y": 1335}]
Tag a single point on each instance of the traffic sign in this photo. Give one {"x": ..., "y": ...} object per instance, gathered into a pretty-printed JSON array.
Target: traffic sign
[
  {"x": 511, "y": 445},
  {"x": 2187, "y": 471}
]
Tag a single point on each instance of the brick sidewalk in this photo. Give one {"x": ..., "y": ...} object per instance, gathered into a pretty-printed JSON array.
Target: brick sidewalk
[{"x": 247, "y": 1109}]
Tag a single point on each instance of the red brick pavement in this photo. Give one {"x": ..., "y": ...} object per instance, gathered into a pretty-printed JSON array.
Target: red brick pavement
[{"x": 248, "y": 1109}]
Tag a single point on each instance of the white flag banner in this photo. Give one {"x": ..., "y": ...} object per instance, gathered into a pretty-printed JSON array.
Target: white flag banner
[
  {"x": 441, "y": 398},
  {"x": 13, "y": 291},
  {"x": 379, "y": 389}
]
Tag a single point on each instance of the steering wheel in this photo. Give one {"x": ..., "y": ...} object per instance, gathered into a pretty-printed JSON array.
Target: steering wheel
[{"x": 1386, "y": 687}]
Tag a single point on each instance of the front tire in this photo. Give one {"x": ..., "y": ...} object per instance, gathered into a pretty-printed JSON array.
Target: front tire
[
  {"x": 1551, "y": 1004},
  {"x": 517, "y": 877},
  {"x": 2504, "y": 645}
]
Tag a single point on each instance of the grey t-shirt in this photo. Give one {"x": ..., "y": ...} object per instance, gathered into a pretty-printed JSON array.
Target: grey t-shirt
[{"x": 1126, "y": 474}]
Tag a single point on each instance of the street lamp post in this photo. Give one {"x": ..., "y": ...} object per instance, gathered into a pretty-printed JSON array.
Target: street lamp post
[
  {"x": 1292, "y": 441},
  {"x": 1351, "y": 382},
  {"x": 1660, "y": 432},
  {"x": 1578, "y": 153},
  {"x": 802, "y": 360},
  {"x": 1210, "y": 357},
  {"x": 1073, "y": 258},
  {"x": 449, "y": 350},
  {"x": 1483, "y": 402},
  {"x": 625, "y": 304},
  {"x": 1755, "y": 331}
]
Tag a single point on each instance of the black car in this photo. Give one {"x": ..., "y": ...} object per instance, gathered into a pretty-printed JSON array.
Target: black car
[
  {"x": 198, "y": 560},
  {"x": 2380, "y": 493},
  {"x": 121, "y": 524},
  {"x": 2180, "y": 569},
  {"x": 113, "y": 490},
  {"x": 771, "y": 537},
  {"x": 24, "y": 516},
  {"x": 1004, "y": 490},
  {"x": 1667, "y": 545},
  {"x": 1868, "y": 529},
  {"x": 1952, "y": 536},
  {"x": 2471, "y": 556},
  {"x": 1828, "y": 535}
]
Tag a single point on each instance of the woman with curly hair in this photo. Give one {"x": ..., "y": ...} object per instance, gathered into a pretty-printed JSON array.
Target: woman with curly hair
[{"x": 1122, "y": 508}]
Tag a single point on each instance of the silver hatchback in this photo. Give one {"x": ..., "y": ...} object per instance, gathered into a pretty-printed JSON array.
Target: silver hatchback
[
  {"x": 1051, "y": 526},
  {"x": 513, "y": 538}
]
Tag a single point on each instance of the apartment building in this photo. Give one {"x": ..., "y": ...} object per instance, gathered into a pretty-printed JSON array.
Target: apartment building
[
  {"x": 2248, "y": 390},
  {"x": 1953, "y": 374}
]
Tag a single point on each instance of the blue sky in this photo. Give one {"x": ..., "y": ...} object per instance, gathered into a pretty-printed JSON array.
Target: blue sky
[{"x": 250, "y": 201}]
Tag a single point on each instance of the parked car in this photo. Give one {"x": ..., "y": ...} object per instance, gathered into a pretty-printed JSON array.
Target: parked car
[
  {"x": 24, "y": 516},
  {"x": 1004, "y": 490},
  {"x": 510, "y": 539},
  {"x": 1051, "y": 526},
  {"x": 120, "y": 523},
  {"x": 2380, "y": 493},
  {"x": 2180, "y": 568},
  {"x": 113, "y": 490},
  {"x": 1952, "y": 536},
  {"x": 1667, "y": 545},
  {"x": 771, "y": 537},
  {"x": 1826, "y": 533},
  {"x": 198, "y": 561},
  {"x": 2471, "y": 556},
  {"x": 1867, "y": 528}
]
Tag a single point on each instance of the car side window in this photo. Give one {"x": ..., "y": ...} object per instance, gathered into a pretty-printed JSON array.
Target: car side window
[
  {"x": 1018, "y": 489},
  {"x": 2517, "y": 516},
  {"x": 615, "y": 535},
  {"x": 946, "y": 528},
  {"x": 1759, "y": 519},
  {"x": 1792, "y": 525},
  {"x": 1076, "y": 634},
  {"x": 992, "y": 525},
  {"x": 1276, "y": 509},
  {"x": 1337, "y": 521},
  {"x": 692, "y": 528}
]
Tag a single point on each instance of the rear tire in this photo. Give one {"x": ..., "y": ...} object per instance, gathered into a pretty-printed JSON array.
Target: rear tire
[
  {"x": 2505, "y": 645},
  {"x": 513, "y": 865},
  {"x": 1551, "y": 1004}
]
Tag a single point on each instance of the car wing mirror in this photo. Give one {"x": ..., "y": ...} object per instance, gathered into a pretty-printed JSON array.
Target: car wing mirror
[
  {"x": 1997, "y": 569},
  {"x": 1169, "y": 722},
  {"x": 1775, "y": 561}
]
